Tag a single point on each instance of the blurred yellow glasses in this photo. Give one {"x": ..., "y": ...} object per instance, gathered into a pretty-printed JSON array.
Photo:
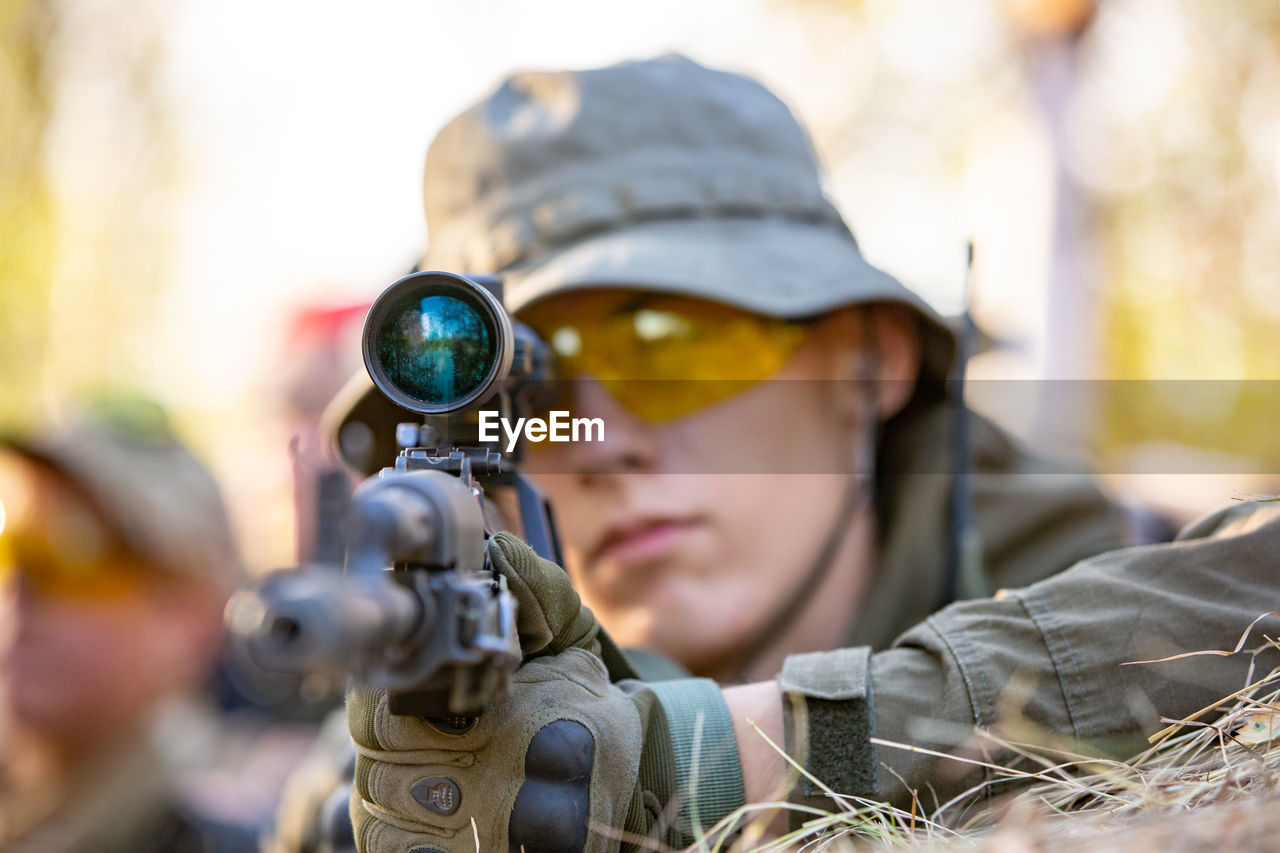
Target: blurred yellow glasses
[
  {"x": 69, "y": 555},
  {"x": 663, "y": 357}
]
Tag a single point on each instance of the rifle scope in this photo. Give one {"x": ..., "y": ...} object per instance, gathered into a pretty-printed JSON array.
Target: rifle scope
[{"x": 436, "y": 342}]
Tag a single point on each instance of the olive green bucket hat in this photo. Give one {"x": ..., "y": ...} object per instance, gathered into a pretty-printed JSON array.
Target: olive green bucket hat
[{"x": 659, "y": 175}]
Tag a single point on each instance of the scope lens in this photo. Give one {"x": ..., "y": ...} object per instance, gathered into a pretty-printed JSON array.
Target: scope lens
[{"x": 437, "y": 348}]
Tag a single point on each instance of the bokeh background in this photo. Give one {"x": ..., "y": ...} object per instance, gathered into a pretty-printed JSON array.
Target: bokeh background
[{"x": 197, "y": 196}]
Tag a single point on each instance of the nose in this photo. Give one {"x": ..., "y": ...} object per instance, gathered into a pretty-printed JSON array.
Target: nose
[{"x": 630, "y": 444}]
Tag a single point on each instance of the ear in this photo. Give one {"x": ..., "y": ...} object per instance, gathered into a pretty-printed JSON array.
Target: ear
[{"x": 877, "y": 343}]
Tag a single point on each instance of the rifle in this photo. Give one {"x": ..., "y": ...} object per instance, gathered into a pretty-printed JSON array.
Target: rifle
[{"x": 400, "y": 594}]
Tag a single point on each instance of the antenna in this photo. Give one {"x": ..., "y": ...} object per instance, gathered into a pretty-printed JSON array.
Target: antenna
[{"x": 966, "y": 577}]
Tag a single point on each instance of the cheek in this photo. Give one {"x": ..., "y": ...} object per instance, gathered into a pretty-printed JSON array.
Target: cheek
[
  {"x": 75, "y": 655},
  {"x": 779, "y": 426},
  {"x": 771, "y": 528},
  {"x": 579, "y": 510},
  {"x": 769, "y": 525},
  {"x": 67, "y": 656},
  {"x": 715, "y": 595}
]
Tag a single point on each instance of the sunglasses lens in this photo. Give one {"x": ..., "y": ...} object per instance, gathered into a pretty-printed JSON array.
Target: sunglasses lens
[
  {"x": 84, "y": 568},
  {"x": 54, "y": 541},
  {"x": 666, "y": 357},
  {"x": 6, "y": 559},
  {"x": 659, "y": 401}
]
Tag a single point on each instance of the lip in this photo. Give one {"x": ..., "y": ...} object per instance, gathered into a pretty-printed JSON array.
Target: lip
[{"x": 641, "y": 540}]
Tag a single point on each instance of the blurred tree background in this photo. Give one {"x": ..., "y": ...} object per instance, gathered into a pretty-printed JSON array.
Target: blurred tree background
[
  {"x": 26, "y": 205},
  {"x": 1117, "y": 164},
  {"x": 88, "y": 186}
]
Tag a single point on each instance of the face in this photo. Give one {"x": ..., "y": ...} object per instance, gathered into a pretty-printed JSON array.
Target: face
[
  {"x": 92, "y": 627},
  {"x": 685, "y": 535}
]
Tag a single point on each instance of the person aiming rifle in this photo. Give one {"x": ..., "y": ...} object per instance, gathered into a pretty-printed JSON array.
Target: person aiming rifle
[{"x": 772, "y": 510}]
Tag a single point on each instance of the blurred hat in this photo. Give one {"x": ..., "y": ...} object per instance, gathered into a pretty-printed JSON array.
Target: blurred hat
[
  {"x": 659, "y": 175},
  {"x": 124, "y": 455}
]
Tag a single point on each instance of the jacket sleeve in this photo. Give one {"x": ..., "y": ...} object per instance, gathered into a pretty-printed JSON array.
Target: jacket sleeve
[{"x": 1053, "y": 654}]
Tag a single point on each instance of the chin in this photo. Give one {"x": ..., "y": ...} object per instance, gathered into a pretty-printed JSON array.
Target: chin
[
  {"x": 667, "y": 611},
  {"x": 696, "y": 644}
]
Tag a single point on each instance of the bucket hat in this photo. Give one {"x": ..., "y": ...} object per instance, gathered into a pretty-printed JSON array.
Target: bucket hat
[
  {"x": 661, "y": 175},
  {"x": 658, "y": 174}
]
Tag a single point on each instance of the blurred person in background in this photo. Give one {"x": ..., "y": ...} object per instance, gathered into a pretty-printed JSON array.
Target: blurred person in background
[{"x": 116, "y": 559}]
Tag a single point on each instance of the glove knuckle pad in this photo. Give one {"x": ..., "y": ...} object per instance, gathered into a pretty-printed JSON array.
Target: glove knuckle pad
[{"x": 552, "y": 808}]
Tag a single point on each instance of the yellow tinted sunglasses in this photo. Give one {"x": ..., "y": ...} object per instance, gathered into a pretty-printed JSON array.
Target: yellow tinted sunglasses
[
  {"x": 58, "y": 562},
  {"x": 663, "y": 357}
]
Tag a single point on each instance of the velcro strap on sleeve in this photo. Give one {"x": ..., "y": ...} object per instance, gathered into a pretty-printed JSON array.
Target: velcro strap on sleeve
[
  {"x": 829, "y": 718},
  {"x": 706, "y": 752}
]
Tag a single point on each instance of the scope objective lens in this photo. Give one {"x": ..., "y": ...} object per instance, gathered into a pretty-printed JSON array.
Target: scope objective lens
[{"x": 437, "y": 349}]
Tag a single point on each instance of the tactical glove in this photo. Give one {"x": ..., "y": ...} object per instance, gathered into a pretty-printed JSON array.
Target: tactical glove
[{"x": 568, "y": 761}]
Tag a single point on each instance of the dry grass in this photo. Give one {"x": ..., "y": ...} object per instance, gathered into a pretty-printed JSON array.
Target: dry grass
[{"x": 1200, "y": 786}]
